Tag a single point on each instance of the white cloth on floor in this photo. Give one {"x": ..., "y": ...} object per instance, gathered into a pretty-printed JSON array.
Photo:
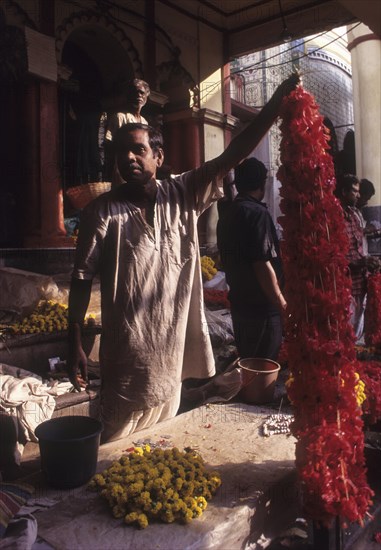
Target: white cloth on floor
[{"x": 28, "y": 399}]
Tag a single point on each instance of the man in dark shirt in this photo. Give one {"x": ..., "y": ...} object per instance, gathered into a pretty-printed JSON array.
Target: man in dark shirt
[{"x": 250, "y": 256}]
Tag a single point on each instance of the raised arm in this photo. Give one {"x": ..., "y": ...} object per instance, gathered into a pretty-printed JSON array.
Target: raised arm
[
  {"x": 243, "y": 144},
  {"x": 79, "y": 298}
]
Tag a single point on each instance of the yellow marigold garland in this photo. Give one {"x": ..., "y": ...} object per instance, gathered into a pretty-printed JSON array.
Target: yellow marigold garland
[
  {"x": 161, "y": 485},
  {"x": 208, "y": 268},
  {"x": 49, "y": 316}
]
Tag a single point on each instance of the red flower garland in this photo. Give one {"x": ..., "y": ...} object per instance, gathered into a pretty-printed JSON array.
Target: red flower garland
[
  {"x": 370, "y": 374},
  {"x": 373, "y": 311},
  {"x": 216, "y": 298},
  {"x": 320, "y": 340}
]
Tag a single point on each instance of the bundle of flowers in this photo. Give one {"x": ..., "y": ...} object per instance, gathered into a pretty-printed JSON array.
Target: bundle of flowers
[
  {"x": 49, "y": 316},
  {"x": 216, "y": 298},
  {"x": 320, "y": 341},
  {"x": 208, "y": 268},
  {"x": 370, "y": 374},
  {"x": 373, "y": 311},
  {"x": 160, "y": 485}
]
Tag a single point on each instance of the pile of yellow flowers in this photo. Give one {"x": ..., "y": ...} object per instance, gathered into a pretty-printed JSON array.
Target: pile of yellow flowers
[
  {"x": 208, "y": 268},
  {"x": 49, "y": 316},
  {"x": 163, "y": 485}
]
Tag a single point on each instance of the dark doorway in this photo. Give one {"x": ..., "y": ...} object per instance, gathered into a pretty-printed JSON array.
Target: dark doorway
[{"x": 80, "y": 104}]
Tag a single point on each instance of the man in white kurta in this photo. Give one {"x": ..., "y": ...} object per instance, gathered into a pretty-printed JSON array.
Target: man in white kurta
[
  {"x": 154, "y": 332},
  {"x": 142, "y": 239}
]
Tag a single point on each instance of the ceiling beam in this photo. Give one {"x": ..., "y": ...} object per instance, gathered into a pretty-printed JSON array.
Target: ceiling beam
[{"x": 367, "y": 11}]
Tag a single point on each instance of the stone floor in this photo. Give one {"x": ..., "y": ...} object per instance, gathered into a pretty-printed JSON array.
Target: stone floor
[{"x": 289, "y": 534}]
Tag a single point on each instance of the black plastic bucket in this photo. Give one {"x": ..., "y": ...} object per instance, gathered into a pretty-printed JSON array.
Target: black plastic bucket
[{"x": 69, "y": 449}]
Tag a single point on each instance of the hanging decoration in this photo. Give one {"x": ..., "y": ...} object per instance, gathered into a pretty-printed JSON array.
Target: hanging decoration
[
  {"x": 373, "y": 311},
  {"x": 320, "y": 340}
]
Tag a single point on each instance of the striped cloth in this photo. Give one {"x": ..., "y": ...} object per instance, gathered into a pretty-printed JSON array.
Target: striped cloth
[{"x": 12, "y": 497}]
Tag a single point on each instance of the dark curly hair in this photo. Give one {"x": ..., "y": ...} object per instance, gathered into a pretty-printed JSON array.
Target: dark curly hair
[
  {"x": 155, "y": 137},
  {"x": 250, "y": 175}
]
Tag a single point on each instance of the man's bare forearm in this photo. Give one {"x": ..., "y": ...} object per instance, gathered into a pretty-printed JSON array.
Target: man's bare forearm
[
  {"x": 244, "y": 143},
  {"x": 79, "y": 299},
  {"x": 267, "y": 279}
]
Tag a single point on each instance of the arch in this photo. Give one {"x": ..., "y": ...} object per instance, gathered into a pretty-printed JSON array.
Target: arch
[
  {"x": 94, "y": 56},
  {"x": 102, "y": 40}
]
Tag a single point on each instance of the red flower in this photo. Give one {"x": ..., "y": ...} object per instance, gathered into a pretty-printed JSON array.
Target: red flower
[
  {"x": 373, "y": 311},
  {"x": 319, "y": 338},
  {"x": 216, "y": 298}
]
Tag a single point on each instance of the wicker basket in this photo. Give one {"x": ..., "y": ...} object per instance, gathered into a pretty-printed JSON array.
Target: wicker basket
[{"x": 81, "y": 195}]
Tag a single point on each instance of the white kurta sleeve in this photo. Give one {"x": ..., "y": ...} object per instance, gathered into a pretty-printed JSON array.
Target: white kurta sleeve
[
  {"x": 92, "y": 232},
  {"x": 205, "y": 184}
]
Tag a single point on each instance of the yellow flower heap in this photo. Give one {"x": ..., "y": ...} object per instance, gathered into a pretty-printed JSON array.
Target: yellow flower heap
[
  {"x": 208, "y": 268},
  {"x": 163, "y": 485},
  {"x": 49, "y": 316}
]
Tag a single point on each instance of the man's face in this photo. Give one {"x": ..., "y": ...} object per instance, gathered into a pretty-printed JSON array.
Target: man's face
[
  {"x": 351, "y": 197},
  {"x": 137, "y": 96},
  {"x": 137, "y": 163}
]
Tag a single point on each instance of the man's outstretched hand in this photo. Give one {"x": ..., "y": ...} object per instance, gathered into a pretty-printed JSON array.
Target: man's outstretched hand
[
  {"x": 287, "y": 86},
  {"x": 77, "y": 361}
]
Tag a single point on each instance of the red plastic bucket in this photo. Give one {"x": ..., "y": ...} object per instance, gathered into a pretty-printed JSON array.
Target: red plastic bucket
[
  {"x": 258, "y": 380},
  {"x": 69, "y": 449}
]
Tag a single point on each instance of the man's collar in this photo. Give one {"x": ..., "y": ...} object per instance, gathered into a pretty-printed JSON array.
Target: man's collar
[{"x": 245, "y": 196}]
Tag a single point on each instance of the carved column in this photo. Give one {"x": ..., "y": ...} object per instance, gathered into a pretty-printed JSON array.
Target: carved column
[
  {"x": 44, "y": 209},
  {"x": 45, "y": 221}
]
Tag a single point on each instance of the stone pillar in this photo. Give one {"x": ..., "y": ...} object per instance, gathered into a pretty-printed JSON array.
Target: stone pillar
[
  {"x": 365, "y": 48},
  {"x": 44, "y": 206},
  {"x": 183, "y": 139}
]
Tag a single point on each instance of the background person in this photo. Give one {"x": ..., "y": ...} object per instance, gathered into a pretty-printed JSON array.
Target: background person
[
  {"x": 134, "y": 95},
  {"x": 372, "y": 230},
  {"x": 360, "y": 263},
  {"x": 250, "y": 255}
]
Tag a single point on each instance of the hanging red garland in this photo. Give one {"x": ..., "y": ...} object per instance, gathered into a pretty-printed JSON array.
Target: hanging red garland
[
  {"x": 216, "y": 298},
  {"x": 320, "y": 340},
  {"x": 373, "y": 311}
]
